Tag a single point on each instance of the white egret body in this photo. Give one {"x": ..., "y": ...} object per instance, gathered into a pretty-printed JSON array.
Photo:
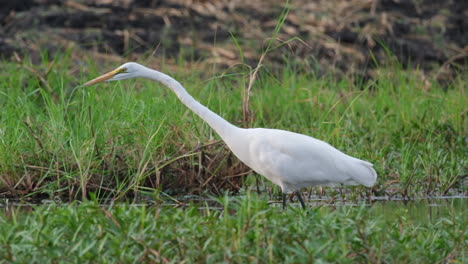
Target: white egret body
[{"x": 290, "y": 160}]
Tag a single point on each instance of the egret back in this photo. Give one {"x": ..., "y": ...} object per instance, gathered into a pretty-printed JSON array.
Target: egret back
[{"x": 294, "y": 161}]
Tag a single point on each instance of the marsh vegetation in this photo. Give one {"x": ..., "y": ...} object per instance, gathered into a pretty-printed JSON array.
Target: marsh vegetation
[{"x": 124, "y": 173}]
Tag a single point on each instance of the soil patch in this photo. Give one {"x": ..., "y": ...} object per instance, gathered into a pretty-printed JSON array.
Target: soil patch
[{"x": 334, "y": 36}]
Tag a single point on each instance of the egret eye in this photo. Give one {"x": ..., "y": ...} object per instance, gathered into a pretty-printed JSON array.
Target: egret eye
[{"x": 122, "y": 70}]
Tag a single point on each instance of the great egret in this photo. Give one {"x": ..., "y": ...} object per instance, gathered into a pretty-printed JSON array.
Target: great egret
[{"x": 290, "y": 160}]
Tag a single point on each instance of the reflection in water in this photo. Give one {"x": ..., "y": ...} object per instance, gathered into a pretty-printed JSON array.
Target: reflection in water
[{"x": 424, "y": 210}]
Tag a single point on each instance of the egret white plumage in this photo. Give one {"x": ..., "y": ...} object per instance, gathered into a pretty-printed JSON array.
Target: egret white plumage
[{"x": 290, "y": 160}]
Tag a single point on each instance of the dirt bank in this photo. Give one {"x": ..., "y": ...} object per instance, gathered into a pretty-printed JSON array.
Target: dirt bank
[{"x": 337, "y": 36}]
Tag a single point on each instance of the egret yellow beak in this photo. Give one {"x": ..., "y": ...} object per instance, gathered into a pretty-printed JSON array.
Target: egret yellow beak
[{"x": 103, "y": 78}]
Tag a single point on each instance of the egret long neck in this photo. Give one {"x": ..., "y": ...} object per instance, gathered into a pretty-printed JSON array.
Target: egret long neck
[{"x": 221, "y": 126}]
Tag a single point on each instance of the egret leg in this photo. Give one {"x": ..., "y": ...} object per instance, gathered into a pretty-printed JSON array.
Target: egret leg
[
  {"x": 299, "y": 196},
  {"x": 284, "y": 201},
  {"x": 256, "y": 183}
]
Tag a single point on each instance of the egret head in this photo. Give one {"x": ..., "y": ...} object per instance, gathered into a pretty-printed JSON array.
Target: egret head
[{"x": 125, "y": 71}]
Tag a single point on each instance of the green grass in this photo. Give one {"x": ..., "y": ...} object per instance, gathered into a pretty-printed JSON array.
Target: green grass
[
  {"x": 135, "y": 139},
  {"x": 134, "y": 136},
  {"x": 243, "y": 230}
]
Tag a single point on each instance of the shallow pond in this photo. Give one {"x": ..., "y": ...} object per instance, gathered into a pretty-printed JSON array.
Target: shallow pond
[{"x": 426, "y": 209}]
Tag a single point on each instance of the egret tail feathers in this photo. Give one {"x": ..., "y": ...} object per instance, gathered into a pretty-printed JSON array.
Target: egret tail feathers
[{"x": 363, "y": 173}]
